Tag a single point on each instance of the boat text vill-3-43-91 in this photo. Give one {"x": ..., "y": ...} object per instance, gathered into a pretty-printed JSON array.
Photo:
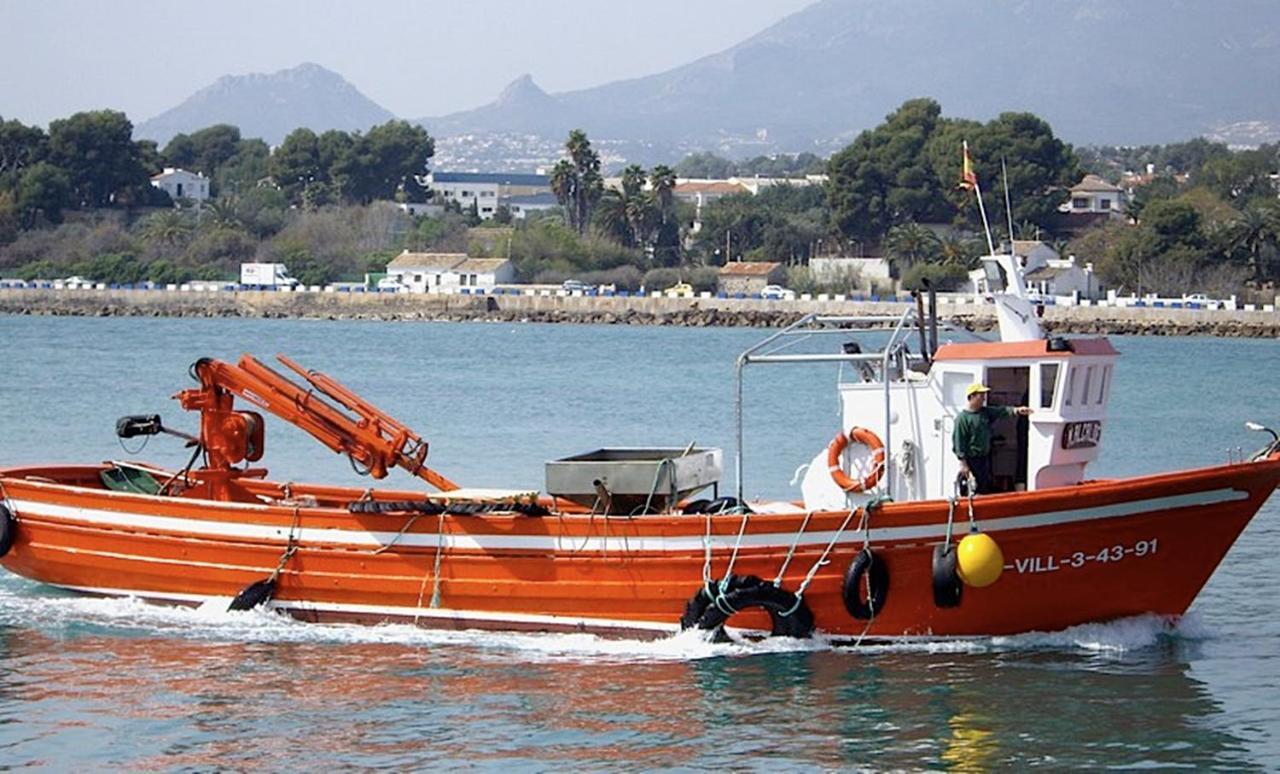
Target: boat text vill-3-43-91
[{"x": 1077, "y": 559}]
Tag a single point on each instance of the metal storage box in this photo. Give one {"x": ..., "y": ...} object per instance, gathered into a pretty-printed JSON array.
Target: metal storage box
[{"x": 632, "y": 475}]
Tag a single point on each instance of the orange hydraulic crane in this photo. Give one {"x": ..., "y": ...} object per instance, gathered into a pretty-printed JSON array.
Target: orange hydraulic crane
[{"x": 371, "y": 439}]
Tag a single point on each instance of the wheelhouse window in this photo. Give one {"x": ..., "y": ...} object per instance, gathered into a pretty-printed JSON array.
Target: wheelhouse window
[
  {"x": 1088, "y": 381},
  {"x": 1103, "y": 383},
  {"x": 1048, "y": 383},
  {"x": 1071, "y": 386}
]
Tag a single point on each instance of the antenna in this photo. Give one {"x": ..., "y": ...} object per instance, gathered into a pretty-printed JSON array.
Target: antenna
[
  {"x": 1008, "y": 208},
  {"x": 971, "y": 179}
]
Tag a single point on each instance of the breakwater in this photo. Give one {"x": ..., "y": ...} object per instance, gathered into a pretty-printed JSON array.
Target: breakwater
[{"x": 694, "y": 312}]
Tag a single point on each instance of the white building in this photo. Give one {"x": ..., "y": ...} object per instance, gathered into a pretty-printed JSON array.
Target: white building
[
  {"x": 522, "y": 206},
  {"x": 482, "y": 273},
  {"x": 1095, "y": 195},
  {"x": 449, "y": 272},
  {"x": 486, "y": 191},
  {"x": 416, "y": 209},
  {"x": 834, "y": 269},
  {"x": 1046, "y": 273},
  {"x": 181, "y": 184}
]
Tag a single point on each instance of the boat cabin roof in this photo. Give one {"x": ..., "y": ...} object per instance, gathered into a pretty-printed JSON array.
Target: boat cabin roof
[{"x": 1020, "y": 350}]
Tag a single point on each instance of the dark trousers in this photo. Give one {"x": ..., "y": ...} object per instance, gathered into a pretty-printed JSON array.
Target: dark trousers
[{"x": 980, "y": 467}]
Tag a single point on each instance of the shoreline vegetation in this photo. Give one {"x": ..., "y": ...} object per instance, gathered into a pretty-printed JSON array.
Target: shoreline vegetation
[
  {"x": 1189, "y": 218},
  {"x": 684, "y": 312}
]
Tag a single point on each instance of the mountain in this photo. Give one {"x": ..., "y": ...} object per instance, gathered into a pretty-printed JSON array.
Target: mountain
[
  {"x": 270, "y": 106},
  {"x": 1099, "y": 71}
]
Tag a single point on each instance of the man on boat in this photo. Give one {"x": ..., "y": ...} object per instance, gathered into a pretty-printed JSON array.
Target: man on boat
[{"x": 971, "y": 438}]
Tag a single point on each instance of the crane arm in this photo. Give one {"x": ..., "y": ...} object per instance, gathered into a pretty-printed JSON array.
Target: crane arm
[{"x": 370, "y": 438}]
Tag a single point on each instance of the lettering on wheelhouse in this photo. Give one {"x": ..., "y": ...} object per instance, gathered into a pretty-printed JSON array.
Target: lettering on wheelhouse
[{"x": 1081, "y": 435}]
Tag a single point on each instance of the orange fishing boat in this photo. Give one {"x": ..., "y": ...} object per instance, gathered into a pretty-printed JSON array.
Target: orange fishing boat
[{"x": 879, "y": 545}]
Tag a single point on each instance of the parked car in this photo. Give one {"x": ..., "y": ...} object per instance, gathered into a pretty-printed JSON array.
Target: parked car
[
  {"x": 391, "y": 285},
  {"x": 575, "y": 286},
  {"x": 680, "y": 289},
  {"x": 777, "y": 292}
]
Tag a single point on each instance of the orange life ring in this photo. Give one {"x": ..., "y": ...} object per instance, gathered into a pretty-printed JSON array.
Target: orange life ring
[{"x": 838, "y": 444}]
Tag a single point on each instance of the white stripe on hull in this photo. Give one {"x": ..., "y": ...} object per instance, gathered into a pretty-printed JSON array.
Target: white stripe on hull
[{"x": 572, "y": 544}]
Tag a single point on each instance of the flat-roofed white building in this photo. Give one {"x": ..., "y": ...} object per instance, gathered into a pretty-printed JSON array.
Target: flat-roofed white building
[
  {"x": 181, "y": 184},
  {"x": 485, "y": 190}
]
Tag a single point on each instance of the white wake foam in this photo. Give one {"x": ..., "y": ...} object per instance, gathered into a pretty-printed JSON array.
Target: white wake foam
[{"x": 213, "y": 622}]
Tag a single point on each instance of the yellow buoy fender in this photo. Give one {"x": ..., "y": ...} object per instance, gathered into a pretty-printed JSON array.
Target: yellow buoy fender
[{"x": 979, "y": 560}]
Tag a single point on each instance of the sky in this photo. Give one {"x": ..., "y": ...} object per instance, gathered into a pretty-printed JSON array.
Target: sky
[{"x": 416, "y": 59}]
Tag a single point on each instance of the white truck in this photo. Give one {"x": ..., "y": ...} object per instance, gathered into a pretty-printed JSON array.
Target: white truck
[{"x": 266, "y": 275}]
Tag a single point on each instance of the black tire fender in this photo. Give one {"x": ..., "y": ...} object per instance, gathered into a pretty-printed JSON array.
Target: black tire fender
[
  {"x": 947, "y": 586},
  {"x": 869, "y": 566},
  {"x": 8, "y": 530},
  {"x": 788, "y": 615}
]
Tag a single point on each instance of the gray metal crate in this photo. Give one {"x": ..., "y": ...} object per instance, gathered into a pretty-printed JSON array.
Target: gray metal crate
[{"x": 631, "y": 475}]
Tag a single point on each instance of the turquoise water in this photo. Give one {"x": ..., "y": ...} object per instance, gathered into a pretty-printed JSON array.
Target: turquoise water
[{"x": 111, "y": 683}]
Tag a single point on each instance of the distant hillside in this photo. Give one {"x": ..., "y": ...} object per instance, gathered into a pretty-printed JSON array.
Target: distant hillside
[
  {"x": 1142, "y": 71},
  {"x": 270, "y": 106}
]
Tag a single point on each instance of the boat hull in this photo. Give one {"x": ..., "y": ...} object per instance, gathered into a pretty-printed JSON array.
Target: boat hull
[{"x": 1091, "y": 552}]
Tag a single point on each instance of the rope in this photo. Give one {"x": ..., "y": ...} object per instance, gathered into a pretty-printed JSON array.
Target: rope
[
  {"x": 821, "y": 562},
  {"x": 973, "y": 525},
  {"x": 871, "y": 605},
  {"x": 399, "y": 534},
  {"x": 951, "y": 515},
  {"x": 792, "y": 551},
  {"x": 733, "y": 557},
  {"x": 653, "y": 488},
  {"x": 291, "y": 547},
  {"x": 863, "y": 633},
  {"x": 187, "y": 469},
  {"x": 706, "y": 554},
  {"x": 435, "y": 572}
]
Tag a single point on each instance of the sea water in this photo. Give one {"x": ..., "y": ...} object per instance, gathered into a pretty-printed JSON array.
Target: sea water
[{"x": 88, "y": 683}]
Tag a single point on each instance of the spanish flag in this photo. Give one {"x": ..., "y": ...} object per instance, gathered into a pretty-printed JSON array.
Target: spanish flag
[{"x": 968, "y": 179}]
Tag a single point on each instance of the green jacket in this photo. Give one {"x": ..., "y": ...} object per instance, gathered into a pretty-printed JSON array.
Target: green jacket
[{"x": 972, "y": 434}]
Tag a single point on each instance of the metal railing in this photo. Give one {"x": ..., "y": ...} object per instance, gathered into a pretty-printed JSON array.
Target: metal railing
[{"x": 821, "y": 324}]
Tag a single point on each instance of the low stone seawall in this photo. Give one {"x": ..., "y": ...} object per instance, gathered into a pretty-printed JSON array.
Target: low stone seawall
[{"x": 601, "y": 310}]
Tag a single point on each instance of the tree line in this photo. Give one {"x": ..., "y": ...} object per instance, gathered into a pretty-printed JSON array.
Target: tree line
[
  {"x": 1207, "y": 216},
  {"x": 90, "y": 161}
]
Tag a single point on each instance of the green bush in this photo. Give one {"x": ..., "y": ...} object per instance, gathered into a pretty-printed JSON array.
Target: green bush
[
  {"x": 940, "y": 276},
  {"x": 703, "y": 278},
  {"x": 623, "y": 278},
  {"x": 661, "y": 279}
]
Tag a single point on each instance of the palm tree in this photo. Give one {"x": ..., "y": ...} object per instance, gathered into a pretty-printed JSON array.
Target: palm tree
[
  {"x": 666, "y": 232},
  {"x": 1256, "y": 234},
  {"x": 960, "y": 252},
  {"x": 635, "y": 208},
  {"x": 663, "y": 180},
  {"x": 611, "y": 217},
  {"x": 169, "y": 227},
  {"x": 910, "y": 243},
  {"x": 222, "y": 212},
  {"x": 564, "y": 184},
  {"x": 589, "y": 185}
]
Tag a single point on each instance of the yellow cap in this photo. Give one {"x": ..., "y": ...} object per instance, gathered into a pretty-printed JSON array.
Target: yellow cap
[{"x": 976, "y": 388}]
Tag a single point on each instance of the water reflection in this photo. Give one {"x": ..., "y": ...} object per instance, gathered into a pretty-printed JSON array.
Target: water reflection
[{"x": 163, "y": 702}]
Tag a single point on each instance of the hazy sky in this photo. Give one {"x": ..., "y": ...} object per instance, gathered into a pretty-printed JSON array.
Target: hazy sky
[{"x": 414, "y": 58}]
